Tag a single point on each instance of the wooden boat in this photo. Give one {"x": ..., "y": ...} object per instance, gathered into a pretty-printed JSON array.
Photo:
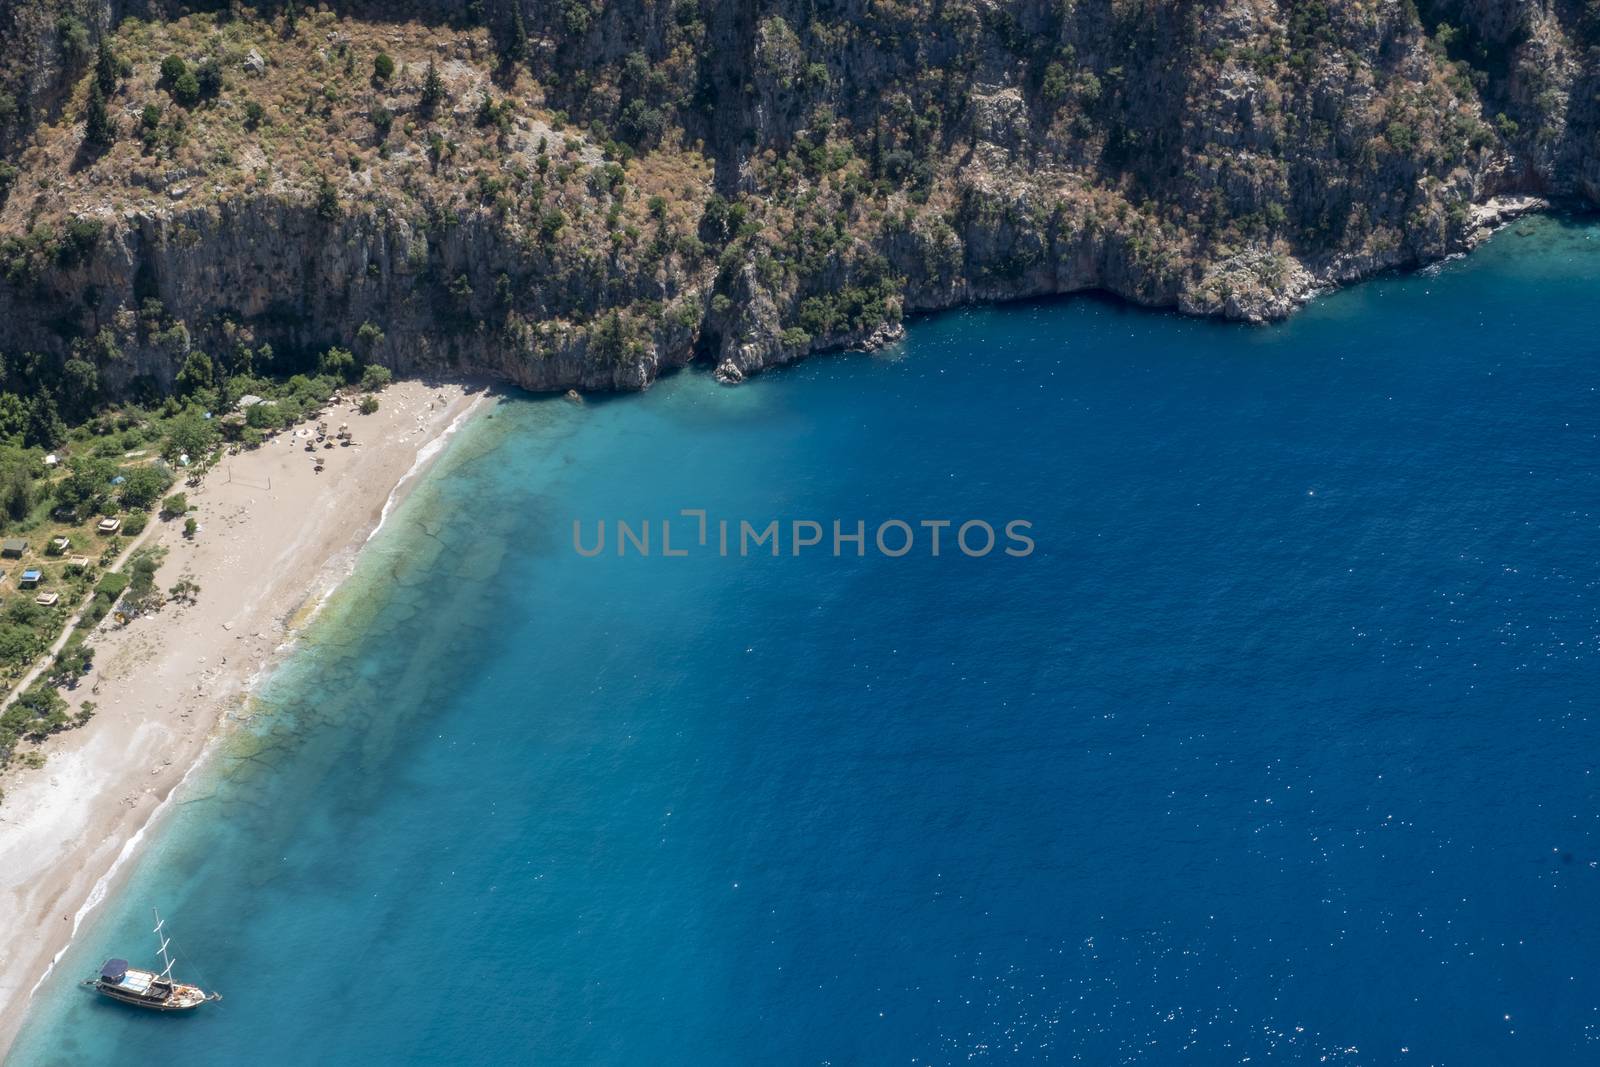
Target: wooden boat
[{"x": 147, "y": 989}]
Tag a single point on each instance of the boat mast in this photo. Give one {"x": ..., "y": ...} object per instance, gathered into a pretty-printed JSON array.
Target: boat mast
[{"x": 166, "y": 975}]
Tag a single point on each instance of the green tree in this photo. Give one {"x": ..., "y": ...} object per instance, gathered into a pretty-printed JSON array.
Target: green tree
[
  {"x": 375, "y": 377},
  {"x": 197, "y": 372},
  {"x": 173, "y": 68},
  {"x": 262, "y": 417},
  {"x": 37, "y": 713},
  {"x": 45, "y": 428},
  {"x": 327, "y": 199},
  {"x": 1057, "y": 83},
  {"x": 13, "y": 418},
  {"x": 382, "y": 67},
  {"x": 338, "y": 362},
  {"x": 98, "y": 128},
  {"x": 87, "y": 486},
  {"x": 368, "y": 338},
  {"x": 186, "y": 89},
  {"x": 74, "y": 39},
  {"x": 143, "y": 486},
  {"x": 432, "y": 88},
  {"x": 105, "y": 68},
  {"x": 189, "y": 435},
  {"x": 517, "y": 45},
  {"x": 208, "y": 78},
  {"x": 16, "y": 484},
  {"x": 82, "y": 381}
]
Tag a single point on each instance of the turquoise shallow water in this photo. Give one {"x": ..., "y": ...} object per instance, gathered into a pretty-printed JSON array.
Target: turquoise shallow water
[{"x": 1281, "y": 746}]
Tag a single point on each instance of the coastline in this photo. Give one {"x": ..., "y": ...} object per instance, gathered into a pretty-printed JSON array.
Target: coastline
[{"x": 275, "y": 539}]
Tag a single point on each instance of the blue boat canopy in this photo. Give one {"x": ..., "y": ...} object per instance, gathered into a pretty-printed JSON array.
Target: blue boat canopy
[{"x": 114, "y": 970}]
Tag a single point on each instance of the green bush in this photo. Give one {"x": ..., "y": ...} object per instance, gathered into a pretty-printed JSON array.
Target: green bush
[
  {"x": 208, "y": 78},
  {"x": 135, "y": 523},
  {"x": 262, "y": 417},
  {"x": 383, "y": 67},
  {"x": 186, "y": 89},
  {"x": 375, "y": 377},
  {"x": 175, "y": 505},
  {"x": 111, "y": 585}
]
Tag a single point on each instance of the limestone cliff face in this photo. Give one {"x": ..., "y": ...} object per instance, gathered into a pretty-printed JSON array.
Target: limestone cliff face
[{"x": 746, "y": 183}]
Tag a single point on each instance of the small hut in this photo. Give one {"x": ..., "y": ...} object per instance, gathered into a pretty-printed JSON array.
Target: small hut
[{"x": 13, "y": 548}]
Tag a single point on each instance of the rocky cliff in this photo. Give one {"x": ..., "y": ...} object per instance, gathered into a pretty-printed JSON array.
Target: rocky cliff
[{"x": 582, "y": 192}]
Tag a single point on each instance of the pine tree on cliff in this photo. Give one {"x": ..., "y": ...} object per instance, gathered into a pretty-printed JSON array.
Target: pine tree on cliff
[
  {"x": 98, "y": 129},
  {"x": 105, "y": 68},
  {"x": 432, "y": 88},
  {"x": 519, "y": 34}
]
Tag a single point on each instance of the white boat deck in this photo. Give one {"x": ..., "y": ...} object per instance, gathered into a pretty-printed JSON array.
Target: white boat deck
[{"x": 137, "y": 981}]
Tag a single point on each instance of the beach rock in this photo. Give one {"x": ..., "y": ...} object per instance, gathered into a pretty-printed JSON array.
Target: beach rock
[{"x": 882, "y": 335}]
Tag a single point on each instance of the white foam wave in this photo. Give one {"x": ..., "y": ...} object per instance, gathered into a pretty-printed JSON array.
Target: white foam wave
[{"x": 424, "y": 455}]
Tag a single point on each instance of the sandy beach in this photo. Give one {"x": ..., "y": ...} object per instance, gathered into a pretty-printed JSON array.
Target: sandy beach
[{"x": 274, "y": 538}]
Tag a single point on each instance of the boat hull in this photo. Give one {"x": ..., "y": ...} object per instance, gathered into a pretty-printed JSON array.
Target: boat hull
[
  {"x": 179, "y": 998},
  {"x": 147, "y": 1004}
]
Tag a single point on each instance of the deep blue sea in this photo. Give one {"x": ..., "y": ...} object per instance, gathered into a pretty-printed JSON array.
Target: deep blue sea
[{"x": 1281, "y": 746}]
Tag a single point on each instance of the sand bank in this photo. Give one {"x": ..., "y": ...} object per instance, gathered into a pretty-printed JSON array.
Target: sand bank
[{"x": 275, "y": 538}]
